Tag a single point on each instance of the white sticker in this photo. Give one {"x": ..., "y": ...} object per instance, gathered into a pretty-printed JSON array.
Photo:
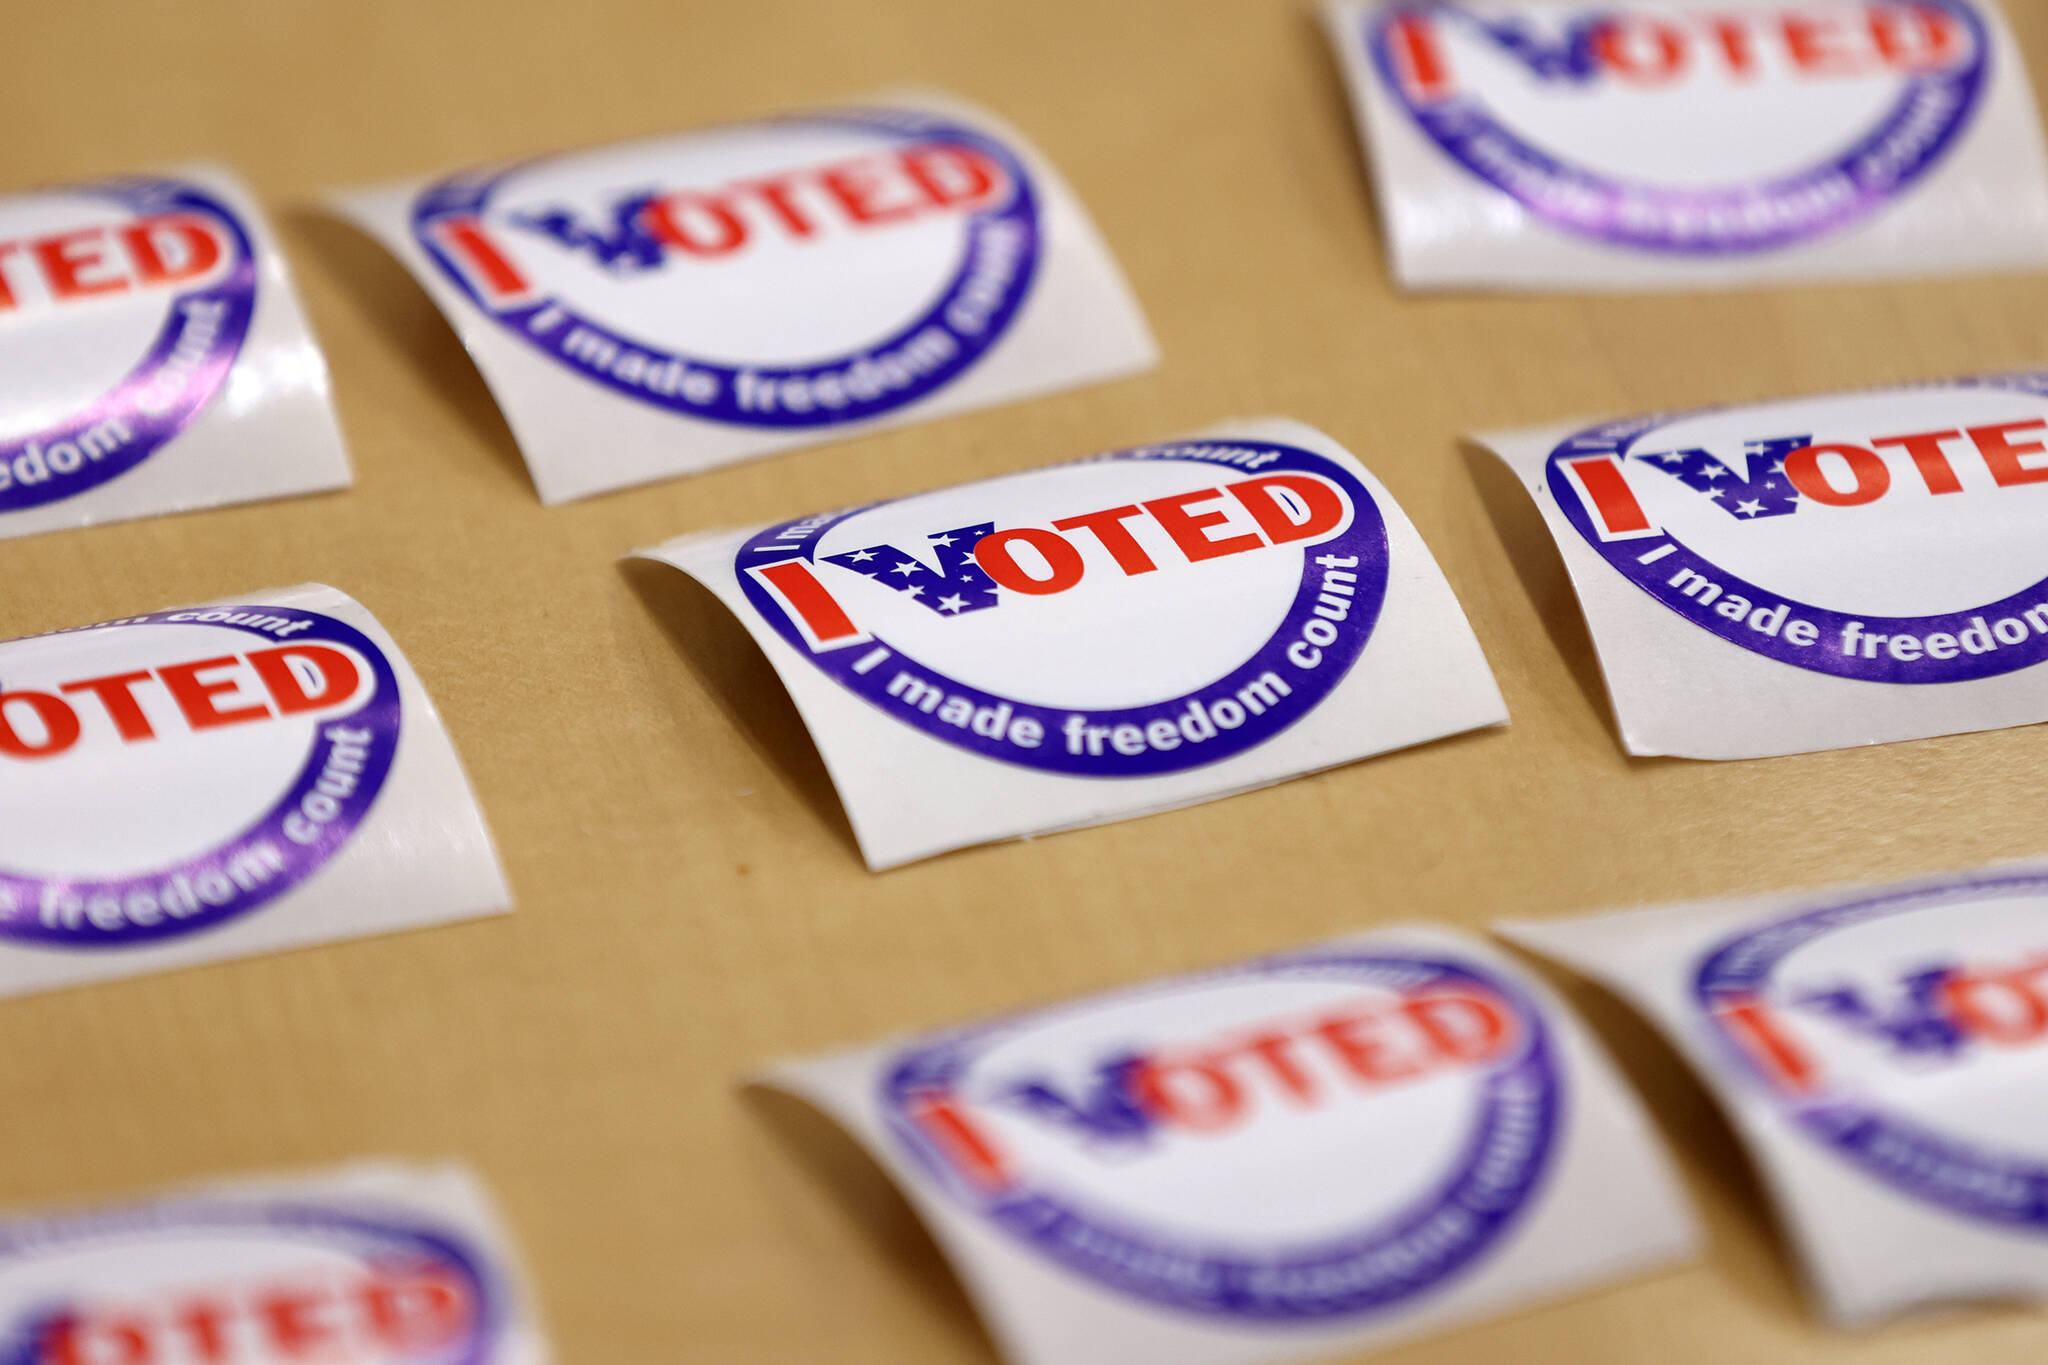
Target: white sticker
[
  {"x": 664, "y": 306},
  {"x": 370, "y": 1265},
  {"x": 1364, "y": 1141},
  {"x": 1127, "y": 633},
  {"x": 1884, "y": 1053},
  {"x": 1813, "y": 573},
  {"x": 156, "y": 358},
  {"x": 211, "y": 782},
  {"x": 1668, "y": 144}
]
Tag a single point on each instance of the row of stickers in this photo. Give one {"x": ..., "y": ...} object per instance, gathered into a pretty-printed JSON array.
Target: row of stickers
[
  {"x": 1347, "y": 1145},
  {"x": 665, "y": 306},
  {"x": 1123, "y": 634}
]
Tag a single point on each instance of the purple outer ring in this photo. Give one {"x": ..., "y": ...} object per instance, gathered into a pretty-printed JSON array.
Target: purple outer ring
[
  {"x": 1221, "y": 1280},
  {"x": 235, "y": 292},
  {"x": 386, "y": 1240},
  {"x": 466, "y": 195},
  {"x": 1588, "y": 204},
  {"x": 1365, "y": 538},
  {"x": 1894, "y": 1150},
  {"x": 1824, "y": 655},
  {"x": 380, "y": 714}
]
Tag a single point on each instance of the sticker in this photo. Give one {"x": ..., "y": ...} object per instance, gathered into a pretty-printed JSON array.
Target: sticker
[
  {"x": 373, "y": 1266},
  {"x": 1144, "y": 628},
  {"x": 158, "y": 360},
  {"x": 211, "y": 781},
  {"x": 1854, "y": 568},
  {"x": 1653, "y": 143},
  {"x": 712, "y": 296},
  {"x": 1356, "y": 1142},
  {"x": 1884, "y": 1049}
]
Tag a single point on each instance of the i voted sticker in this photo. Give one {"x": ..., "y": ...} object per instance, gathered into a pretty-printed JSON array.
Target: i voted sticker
[
  {"x": 1091, "y": 1134},
  {"x": 766, "y": 283},
  {"x": 975, "y": 628},
  {"x": 175, "y": 252},
  {"x": 1658, "y": 132},
  {"x": 1892, "y": 539},
  {"x": 1907, "y": 1031},
  {"x": 375, "y": 1268},
  {"x": 170, "y": 775},
  {"x": 1158, "y": 613},
  {"x": 901, "y": 247},
  {"x": 1330, "y": 1146},
  {"x": 126, "y": 306},
  {"x": 1884, "y": 1050}
]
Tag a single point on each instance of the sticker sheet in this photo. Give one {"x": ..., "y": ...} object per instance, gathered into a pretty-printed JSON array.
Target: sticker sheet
[
  {"x": 1809, "y": 574},
  {"x": 1127, "y": 633},
  {"x": 213, "y": 782},
  {"x": 664, "y": 306},
  {"x": 1343, "y": 1146},
  {"x": 1665, "y": 144},
  {"x": 370, "y": 1265},
  {"x": 1883, "y": 1052},
  {"x": 156, "y": 358}
]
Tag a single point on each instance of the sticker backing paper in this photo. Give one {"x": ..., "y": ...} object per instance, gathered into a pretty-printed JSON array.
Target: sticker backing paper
[
  {"x": 664, "y": 306},
  {"x": 1339, "y": 1147},
  {"x": 212, "y": 782},
  {"x": 1123, "y": 634}
]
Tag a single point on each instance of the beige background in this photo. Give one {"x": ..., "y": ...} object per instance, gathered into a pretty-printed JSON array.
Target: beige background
[{"x": 690, "y": 903}]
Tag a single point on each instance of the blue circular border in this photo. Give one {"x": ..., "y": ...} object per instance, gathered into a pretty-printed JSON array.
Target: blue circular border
[
  {"x": 1462, "y": 122},
  {"x": 381, "y": 713},
  {"x": 1365, "y": 538},
  {"x": 463, "y": 196},
  {"x": 1884, "y": 1146},
  {"x": 235, "y": 292},
  {"x": 1822, "y": 656},
  {"x": 310, "y": 1222},
  {"x": 1044, "y": 1220}
]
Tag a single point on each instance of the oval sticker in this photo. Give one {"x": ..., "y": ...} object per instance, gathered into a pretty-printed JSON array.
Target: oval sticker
[
  {"x": 1704, "y": 132},
  {"x": 1310, "y": 1137},
  {"x": 265, "y": 1283},
  {"x": 123, "y": 306},
  {"x": 174, "y": 771},
  {"x": 799, "y": 272},
  {"x": 1142, "y": 612},
  {"x": 1896, "y": 537},
  {"x": 1906, "y": 1031}
]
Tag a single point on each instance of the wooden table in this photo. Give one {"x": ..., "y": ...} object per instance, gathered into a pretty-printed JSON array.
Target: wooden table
[{"x": 690, "y": 903}]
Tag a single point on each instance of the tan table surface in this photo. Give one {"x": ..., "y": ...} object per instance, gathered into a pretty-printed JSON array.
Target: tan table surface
[{"x": 689, "y": 900}]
